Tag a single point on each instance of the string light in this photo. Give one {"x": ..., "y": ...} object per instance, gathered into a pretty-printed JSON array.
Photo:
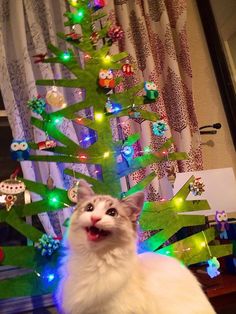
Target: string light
[
  {"x": 98, "y": 116},
  {"x": 107, "y": 59},
  {"x": 106, "y": 154},
  {"x": 66, "y": 56}
]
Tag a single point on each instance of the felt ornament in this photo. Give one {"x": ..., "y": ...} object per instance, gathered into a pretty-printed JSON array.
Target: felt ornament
[
  {"x": 47, "y": 245},
  {"x": 55, "y": 98},
  {"x": 222, "y": 223},
  {"x": 151, "y": 90},
  {"x": 106, "y": 79},
  {"x": 46, "y": 144},
  {"x": 127, "y": 68},
  {"x": 213, "y": 267},
  {"x": 37, "y": 104},
  {"x": 19, "y": 150},
  {"x": 128, "y": 153},
  {"x": 159, "y": 127},
  {"x": 197, "y": 187},
  {"x": 72, "y": 193}
]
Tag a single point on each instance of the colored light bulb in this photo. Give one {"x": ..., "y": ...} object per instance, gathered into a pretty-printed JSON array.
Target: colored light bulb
[{"x": 98, "y": 116}]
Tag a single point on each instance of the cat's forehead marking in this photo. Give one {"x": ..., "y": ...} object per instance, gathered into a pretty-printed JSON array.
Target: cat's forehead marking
[{"x": 105, "y": 200}]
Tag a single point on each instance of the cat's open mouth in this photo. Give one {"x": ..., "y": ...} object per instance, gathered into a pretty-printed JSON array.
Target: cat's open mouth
[{"x": 95, "y": 234}]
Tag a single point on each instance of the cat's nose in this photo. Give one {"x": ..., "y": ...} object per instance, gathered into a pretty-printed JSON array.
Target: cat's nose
[{"x": 95, "y": 219}]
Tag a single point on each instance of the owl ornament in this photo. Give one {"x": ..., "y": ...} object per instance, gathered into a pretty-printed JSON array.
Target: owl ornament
[
  {"x": 222, "y": 223},
  {"x": 19, "y": 150},
  {"x": 106, "y": 79},
  {"x": 151, "y": 90}
]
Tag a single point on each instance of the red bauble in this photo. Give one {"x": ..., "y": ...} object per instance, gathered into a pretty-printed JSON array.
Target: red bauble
[
  {"x": 127, "y": 68},
  {"x": 1, "y": 255}
]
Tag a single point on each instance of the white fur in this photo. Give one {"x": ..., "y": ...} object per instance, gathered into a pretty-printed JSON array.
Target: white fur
[{"x": 110, "y": 278}]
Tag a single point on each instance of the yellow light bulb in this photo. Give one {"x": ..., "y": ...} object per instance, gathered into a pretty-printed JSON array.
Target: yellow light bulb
[
  {"x": 98, "y": 116},
  {"x": 106, "y": 154},
  {"x": 107, "y": 59}
]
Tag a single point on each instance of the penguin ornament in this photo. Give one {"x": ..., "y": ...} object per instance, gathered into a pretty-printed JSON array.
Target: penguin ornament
[{"x": 151, "y": 90}]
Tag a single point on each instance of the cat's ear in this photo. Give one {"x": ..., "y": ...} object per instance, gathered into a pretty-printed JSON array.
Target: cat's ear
[
  {"x": 84, "y": 190},
  {"x": 135, "y": 203}
]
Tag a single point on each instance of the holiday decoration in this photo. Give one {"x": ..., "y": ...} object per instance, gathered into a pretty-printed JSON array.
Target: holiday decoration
[
  {"x": 11, "y": 187},
  {"x": 50, "y": 183},
  {"x": 127, "y": 68},
  {"x": 19, "y": 150},
  {"x": 1, "y": 254},
  {"x": 47, "y": 245},
  {"x": 73, "y": 192},
  {"x": 115, "y": 33},
  {"x": 98, "y": 4},
  {"x": 222, "y": 223},
  {"x": 159, "y": 127},
  {"x": 98, "y": 162},
  {"x": 128, "y": 153},
  {"x": 171, "y": 175},
  {"x": 111, "y": 107},
  {"x": 55, "y": 98},
  {"x": 73, "y": 37},
  {"x": 106, "y": 79},
  {"x": 46, "y": 144},
  {"x": 39, "y": 57},
  {"x": 37, "y": 104},
  {"x": 197, "y": 187},
  {"x": 94, "y": 38},
  {"x": 151, "y": 90},
  {"x": 213, "y": 267}
]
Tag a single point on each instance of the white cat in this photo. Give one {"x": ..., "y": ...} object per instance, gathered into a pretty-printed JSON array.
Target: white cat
[{"x": 103, "y": 274}]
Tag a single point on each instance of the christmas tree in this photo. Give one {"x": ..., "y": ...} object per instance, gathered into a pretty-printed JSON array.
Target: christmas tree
[{"x": 94, "y": 69}]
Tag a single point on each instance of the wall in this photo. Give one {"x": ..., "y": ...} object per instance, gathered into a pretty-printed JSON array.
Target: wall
[{"x": 218, "y": 150}]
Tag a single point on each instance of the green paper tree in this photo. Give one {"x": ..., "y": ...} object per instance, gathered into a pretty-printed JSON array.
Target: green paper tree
[{"x": 168, "y": 217}]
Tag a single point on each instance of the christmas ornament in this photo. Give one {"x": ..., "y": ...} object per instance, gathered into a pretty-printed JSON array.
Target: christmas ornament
[
  {"x": 50, "y": 183},
  {"x": 171, "y": 175},
  {"x": 94, "y": 38},
  {"x": 197, "y": 187},
  {"x": 106, "y": 79},
  {"x": 213, "y": 267},
  {"x": 55, "y": 98},
  {"x": 19, "y": 150},
  {"x": 151, "y": 90},
  {"x": 72, "y": 193},
  {"x": 73, "y": 37},
  {"x": 37, "y": 104},
  {"x": 128, "y": 153},
  {"x": 47, "y": 245},
  {"x": 11, "y": 187},
  {"x": 98, "y": 4},
  {"x": 222, "y": 223},
  {"x": 111, "y": 107},
  {"x": 10, "y": 201},
  {"x": 115, "y": 33},
  {"x": 39, "y": 57},
  {"x": 127, "y": 68},
  {"x": 1, "y": 255},
  {"x": 159, "y": 127},
  {"x": 46, "y": 144}
]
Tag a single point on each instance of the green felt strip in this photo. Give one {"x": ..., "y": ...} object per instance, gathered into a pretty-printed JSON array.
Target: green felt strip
[
  {"x": 21, "y": 256},
  {"x": 60, "y": 83},
  {"x": 25, "y": 285},
  {"x": 98, "y": 186},
  {"x": 132, "y": 139},
  {"x": 147, "y": 115},
  {"x": 184, "y": 191},
  {"x": 141, "y": 185},
  {"x": 27, "y": 230}
]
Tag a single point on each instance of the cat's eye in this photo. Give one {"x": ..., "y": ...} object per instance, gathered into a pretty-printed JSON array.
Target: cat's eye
[
  {"x": 89, "y": 207},
  {"x": 112, "y": 212}
]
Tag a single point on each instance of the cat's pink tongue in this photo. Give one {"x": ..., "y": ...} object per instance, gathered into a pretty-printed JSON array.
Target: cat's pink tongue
[{"x": 93, "y": 236}]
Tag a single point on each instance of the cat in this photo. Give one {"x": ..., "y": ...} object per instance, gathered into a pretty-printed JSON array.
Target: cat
[{"x": 103, "y": 274}]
